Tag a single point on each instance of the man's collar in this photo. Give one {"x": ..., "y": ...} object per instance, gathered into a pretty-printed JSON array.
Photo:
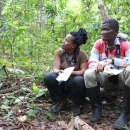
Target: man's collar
[{"x": 117, "y": 42}]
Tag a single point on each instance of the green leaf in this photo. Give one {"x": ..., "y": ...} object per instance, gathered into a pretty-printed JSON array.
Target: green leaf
[
  {"x": 19, "y": 99},
  {"x": 4, "y": 106},
  {"x": 6, "y": 63},
  {"x": 18, "y": 32},
  {"x": 24, "y": 88},
  {"x": 13, "y": 70},
  {"x": 42, "y": 92},
  {"x": 9, "y": 115},
  {"x": 2, "y": 74},
  {"x": 25, "y": 37},
  {"x": 35, "y": 88},
  {"x": 20, "y": 59},
  {"x": 48, "y": 115},
  {"x": 32, "y": 112},
  {"x": 23, "y": 27},
  {"x": 12, "y": 25}
]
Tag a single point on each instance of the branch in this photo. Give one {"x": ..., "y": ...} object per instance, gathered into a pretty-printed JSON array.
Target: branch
[
  {"x": 102, "y": 10},
  {"x": 79, "y": 124}
]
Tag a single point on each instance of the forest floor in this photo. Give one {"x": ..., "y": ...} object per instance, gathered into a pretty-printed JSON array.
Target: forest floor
[{"x": 34, "y": 113}]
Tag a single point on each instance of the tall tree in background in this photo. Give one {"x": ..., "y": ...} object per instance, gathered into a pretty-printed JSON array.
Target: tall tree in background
[
  {"x": 102, "y": 10},
  {"x": 31, "y": 30},
  {"x": 0, "y": 8}
]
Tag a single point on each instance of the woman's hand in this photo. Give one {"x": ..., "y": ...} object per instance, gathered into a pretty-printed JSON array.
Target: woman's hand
[{"x": 61, "y": 72}]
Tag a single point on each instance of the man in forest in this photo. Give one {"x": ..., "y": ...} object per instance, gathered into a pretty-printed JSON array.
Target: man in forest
[{"x": 108, "y": 53}]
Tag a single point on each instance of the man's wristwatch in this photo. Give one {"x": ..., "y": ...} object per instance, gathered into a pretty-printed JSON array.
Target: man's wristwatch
[{"x": 112, "y": 61}]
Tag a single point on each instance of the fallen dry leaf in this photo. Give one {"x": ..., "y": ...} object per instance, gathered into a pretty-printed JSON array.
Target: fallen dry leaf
[{"x": 22, "y": 118}]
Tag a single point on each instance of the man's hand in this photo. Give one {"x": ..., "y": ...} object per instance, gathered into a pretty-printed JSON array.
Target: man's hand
[
  {"x": 107, "y": 68},
  {"x": 100, "y": 67},
  {"x": 109, "y": 61},
  {"x": 125, "y": 65}
]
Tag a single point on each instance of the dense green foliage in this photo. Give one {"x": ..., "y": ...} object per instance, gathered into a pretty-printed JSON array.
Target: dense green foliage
[{"x": 31, "y": 30}]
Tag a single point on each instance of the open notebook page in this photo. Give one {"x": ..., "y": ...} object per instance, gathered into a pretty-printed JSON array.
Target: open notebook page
[{"x": 65, "y": 75}]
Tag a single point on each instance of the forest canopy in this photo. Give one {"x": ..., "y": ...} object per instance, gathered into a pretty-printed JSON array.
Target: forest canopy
[{"x": 31, "y": 30}]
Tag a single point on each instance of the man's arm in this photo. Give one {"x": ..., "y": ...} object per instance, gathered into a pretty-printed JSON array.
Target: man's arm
[
  {"x": 94, "y": 59},
  {"x": 122, "y": 62},
  {"x": 125, "y": 61}
]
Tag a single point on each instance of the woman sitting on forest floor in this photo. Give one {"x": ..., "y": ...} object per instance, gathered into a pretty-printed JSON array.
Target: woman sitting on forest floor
[{"x": 69, "y": 55}]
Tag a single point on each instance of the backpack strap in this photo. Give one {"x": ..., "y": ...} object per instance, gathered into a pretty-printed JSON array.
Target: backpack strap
[{"x": 117, "y": 51}]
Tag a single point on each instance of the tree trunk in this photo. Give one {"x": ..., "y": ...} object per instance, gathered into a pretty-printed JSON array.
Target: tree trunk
[
  {"x": 102, "y": 10},
  {"x": 0, "y": 8}
]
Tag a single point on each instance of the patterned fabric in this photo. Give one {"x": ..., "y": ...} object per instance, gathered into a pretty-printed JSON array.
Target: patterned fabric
[
  {"x": 98, "y": 53},
  {"x": 66, "y": 61}
]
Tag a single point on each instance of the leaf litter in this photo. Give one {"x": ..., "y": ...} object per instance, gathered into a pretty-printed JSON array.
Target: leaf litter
[{"x": 21, "y": 109}]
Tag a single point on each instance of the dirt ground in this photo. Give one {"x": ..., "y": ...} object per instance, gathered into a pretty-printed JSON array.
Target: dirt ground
[
  {"x": 45, "y": 120},
  {"x": 36, "y": 114}
]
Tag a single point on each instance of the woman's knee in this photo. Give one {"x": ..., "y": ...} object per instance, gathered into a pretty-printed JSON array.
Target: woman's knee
[
  {"x": 77, "y": 82},
  {"x": 78, "y": 78},
  {"x": 49, "y": 76}
]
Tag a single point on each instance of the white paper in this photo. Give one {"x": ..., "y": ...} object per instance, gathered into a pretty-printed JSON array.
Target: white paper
[
  {"x": 65, "y": 75},
  {"x": 112, "y": 71}
]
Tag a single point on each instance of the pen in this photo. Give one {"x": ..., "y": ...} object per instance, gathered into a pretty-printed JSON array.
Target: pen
[{"x": 59, "y": 82}]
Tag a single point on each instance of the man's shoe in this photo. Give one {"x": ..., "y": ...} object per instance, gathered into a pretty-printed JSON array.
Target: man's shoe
[
  {"x": 97, "y": 113},
  {"x": 59, "y": 106},
  {"x": 95, "y": 100},
  {"x": 76, "y": 110},
  {"x": 122, "y": 121}
]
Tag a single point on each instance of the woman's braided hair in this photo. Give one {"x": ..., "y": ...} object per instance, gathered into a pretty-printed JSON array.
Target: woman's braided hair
[{"x": 80, "y": 38}]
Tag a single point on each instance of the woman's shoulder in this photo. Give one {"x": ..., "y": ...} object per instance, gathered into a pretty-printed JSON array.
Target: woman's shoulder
[
  {"x": 82, "y": 56},
  {"x": 59, "y": 50},
  {"x": 81, "y": 52}
]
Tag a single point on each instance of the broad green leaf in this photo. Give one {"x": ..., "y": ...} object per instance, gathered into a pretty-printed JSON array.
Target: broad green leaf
[
  {"x": 13, "y": 70},
  {"x": 9, "y": 115},
  {"x": 25, "y": 38},
  {"x": 2, "y": 75},
  {"x": 23, "y": 27},
  {"x": 42, "y": 92},
  {"x": 6, "y": 63},
  {"x": 19, "y": 99},
  {"x": 32, "y": 112},
  {"x": 4, "y": 106},
  {"x": 12, "y": 25},
  {"x": 24, "y": 88},
  {"x": 18, "y": 32},
  {"x": 20, "y": 59},
  {"x": 35, "y": 88}
]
